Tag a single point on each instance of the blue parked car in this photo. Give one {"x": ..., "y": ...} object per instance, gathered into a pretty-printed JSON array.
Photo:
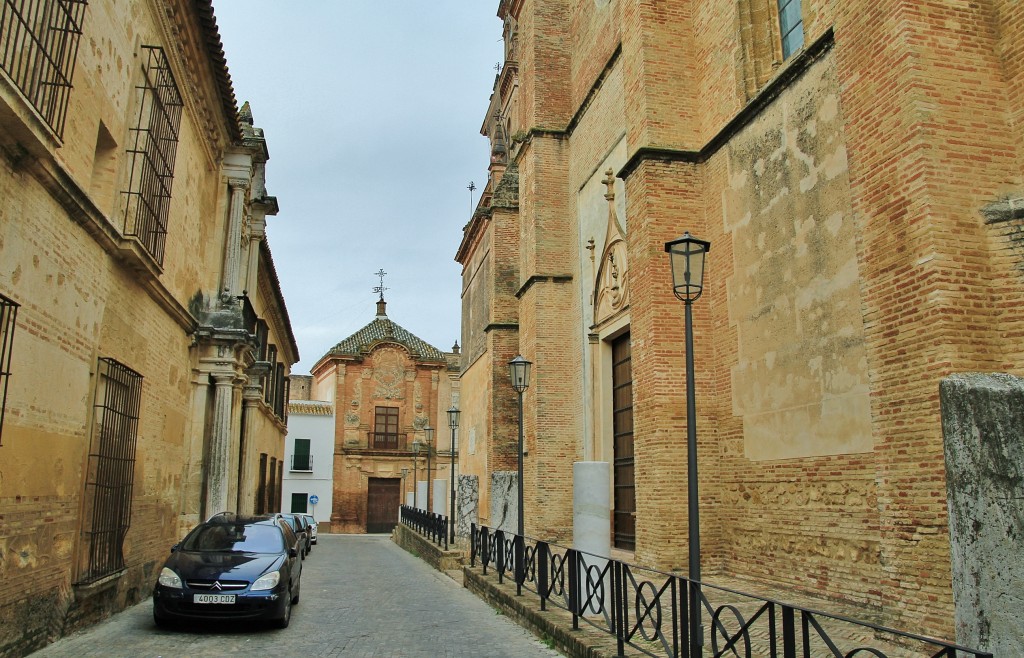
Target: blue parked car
[{"x": 231, "y": 567}]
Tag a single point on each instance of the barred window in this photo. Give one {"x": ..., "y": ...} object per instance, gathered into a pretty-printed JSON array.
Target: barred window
[
  {"x": 271, "y": 377},
  {"x": 279, "y": 401},
  {"x": 38, "y": 49},
  {"x": 791, "y": 24},
  {"x": 111, "y": 469},
  {"x": 152, "y": 148},
  {"x": 261, "y": 488},
  {"x": 8, "y": 316}
]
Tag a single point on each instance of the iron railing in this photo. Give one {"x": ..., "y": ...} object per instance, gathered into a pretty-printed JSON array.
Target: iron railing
[
  {"x": 302, "y": 462},
  {"x": 387, "y": 441},
  {"x": 648, "y": 610},
  {"x": 430, "y": 525}
]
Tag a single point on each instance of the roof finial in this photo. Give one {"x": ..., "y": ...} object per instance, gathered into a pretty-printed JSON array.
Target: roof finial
[
  {"x": 380, "y": 289},
  {"x": 381, "y": 304}
]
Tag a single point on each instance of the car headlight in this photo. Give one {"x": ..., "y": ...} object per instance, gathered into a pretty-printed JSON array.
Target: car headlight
[
  {"x": 266, "y": 581},
  {"x": 169, "y": 579}
]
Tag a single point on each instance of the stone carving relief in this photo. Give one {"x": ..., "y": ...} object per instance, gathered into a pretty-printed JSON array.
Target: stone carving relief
[
  {"x": 389, "y": 373},
  {"x": 611, "y": 289}
]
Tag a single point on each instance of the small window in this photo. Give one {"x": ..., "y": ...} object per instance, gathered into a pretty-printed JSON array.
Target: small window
[
  {"x": 39, "y": 46},
  {"x": 152, "y": 147},
  {"x": 110, "y": 470},
  {"x": 299, "y": 501},
  {"x": 301, "y": 459},
  {"x": 791, "y": 25},
  {"x": 8, "y": 315}
]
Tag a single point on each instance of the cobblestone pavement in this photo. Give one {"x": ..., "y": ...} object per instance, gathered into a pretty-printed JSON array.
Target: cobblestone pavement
[{"x": 361, "y": 596}]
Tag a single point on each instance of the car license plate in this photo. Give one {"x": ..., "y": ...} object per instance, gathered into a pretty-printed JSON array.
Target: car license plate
[{"x": 213, "y": 598}]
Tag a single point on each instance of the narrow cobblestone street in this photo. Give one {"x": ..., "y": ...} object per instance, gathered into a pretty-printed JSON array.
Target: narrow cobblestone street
[{"x": 361, "y": 596}]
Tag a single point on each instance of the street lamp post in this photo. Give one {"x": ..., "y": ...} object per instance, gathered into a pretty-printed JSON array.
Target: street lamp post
[
  {"x": 416, "y": 445},
  {"x": 405, "y": 476},
  {"x": 429, "y": 432},
  {"x": 519, "y": 371},
  {"x": 453, "y": 422},
  {"x": 687, "y": 259}
]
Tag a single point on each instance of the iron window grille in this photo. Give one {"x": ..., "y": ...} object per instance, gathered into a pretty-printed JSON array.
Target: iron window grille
[
  {"x": 153, "y": 146},
  {"x": 791, "y": 25},
  {"x": 8, "y": 318},
  {"x": 269, "y": 379},
  {"x": 111, "y": 469},
  {"x": 38, "y": 49},
  {"x": 261, "y": 489},
  {"x": 279, "y": 390},
  {"x": 272, "y": 490}
]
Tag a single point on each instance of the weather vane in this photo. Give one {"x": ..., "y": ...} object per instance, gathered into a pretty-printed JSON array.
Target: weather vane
[
  {"x": 380, "y": 289},
  {"x": 471, "y": 187}
]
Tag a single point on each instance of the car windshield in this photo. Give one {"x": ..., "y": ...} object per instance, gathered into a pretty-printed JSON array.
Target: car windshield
[{"x": 235, "y": 538}]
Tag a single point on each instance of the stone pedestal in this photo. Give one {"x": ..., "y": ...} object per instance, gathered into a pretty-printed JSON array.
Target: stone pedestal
[
  {"x": 504, "y": 501},
  {"x": 421, "y": 496},
  {"x": 440, "y": 492},
  {"x": 467, "y": 504},
  {"x": 982, "y": 427},
  {"x": 591, "y": 525}
]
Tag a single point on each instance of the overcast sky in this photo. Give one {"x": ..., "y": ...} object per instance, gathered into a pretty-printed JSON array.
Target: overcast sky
[{"x": 372, "y": 115}]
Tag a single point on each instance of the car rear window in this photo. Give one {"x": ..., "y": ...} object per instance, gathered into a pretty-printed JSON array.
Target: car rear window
[{"x": 235, "y": 538}]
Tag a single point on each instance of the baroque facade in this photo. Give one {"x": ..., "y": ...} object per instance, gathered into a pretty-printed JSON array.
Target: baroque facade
[
  {"x": 389, "y": 389},
  {"x": 145, "y": 340},
  {"x": 856, "y": 167}
]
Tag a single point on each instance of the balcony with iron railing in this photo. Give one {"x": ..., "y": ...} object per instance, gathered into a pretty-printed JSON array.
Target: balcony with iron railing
[{"x": 302, "y": 463}]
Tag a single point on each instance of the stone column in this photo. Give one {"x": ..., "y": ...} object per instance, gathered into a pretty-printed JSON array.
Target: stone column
[
  {"x": 218, "y": 454},
  {"x": 257, "y": 232},
  {"x": 232, "y": 252},
  {"x": 251, "y": 396}
]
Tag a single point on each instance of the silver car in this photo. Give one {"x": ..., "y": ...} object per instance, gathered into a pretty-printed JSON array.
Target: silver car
[{"x": 312, "y": 527}]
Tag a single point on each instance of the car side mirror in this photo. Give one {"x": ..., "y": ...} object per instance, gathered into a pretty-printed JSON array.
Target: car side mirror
[
  {"x": 174, "y": 548},
  {"x": 293, "y": 552}
]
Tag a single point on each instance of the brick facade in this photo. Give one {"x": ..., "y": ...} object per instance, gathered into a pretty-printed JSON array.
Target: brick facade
[{"x": 859, "y": 200}]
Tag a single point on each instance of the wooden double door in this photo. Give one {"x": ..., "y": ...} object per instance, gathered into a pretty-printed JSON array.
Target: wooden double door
[{"x": 383, "y": 499}]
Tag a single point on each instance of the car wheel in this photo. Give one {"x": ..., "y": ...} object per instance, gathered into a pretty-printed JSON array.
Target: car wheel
[
  {"x": 286, "y": 617},
  {"x": 298, "y": 591},
  {"x": 161, "y": 622}
]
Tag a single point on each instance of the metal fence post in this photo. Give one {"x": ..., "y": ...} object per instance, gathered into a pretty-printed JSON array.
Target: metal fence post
[
  {"x": 574, "y": 584},
  {"x": 499, "y": 537},
  {"x": 541, "y": 556}
]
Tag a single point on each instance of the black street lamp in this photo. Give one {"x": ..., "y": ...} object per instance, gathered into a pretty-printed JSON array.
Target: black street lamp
[
  {"x": 687, "y": 258},
  {"x": 416, "y": 446},
  {"x": 405, "y": 476},
  {"x": 453, "y": 422},
  {"x": 519, "y": 370},
  {"x": 428, "y": 431}
]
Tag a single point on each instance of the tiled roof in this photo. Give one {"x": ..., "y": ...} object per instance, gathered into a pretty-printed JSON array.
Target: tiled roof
[
  {"x": 383, "y": 329},
  {"x": 310, "y": 407}
]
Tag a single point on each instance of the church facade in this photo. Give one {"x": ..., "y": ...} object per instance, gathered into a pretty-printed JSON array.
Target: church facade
[
  {"x": 856, "y": 179},
  {"x": 391, "y": 392}
]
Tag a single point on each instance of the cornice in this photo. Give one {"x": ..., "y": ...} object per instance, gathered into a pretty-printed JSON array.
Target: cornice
[{"x": 786, "y": 77}]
